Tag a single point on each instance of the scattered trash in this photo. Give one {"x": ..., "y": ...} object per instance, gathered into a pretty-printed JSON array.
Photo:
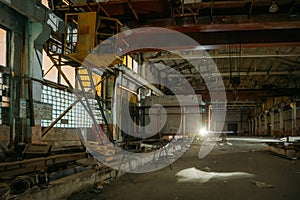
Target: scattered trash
[
  {"x": 225, "y": 143},
  {"x": 260, "y": 184},
  {"x": 196, "y": 175},
  {"x": 290, "y": 139},
  {"x": 207, "y": 169},
  {"x": 100, "y": 185},
  {"x": 97, "y": 188},
  {"x": 229, "y": 143}
]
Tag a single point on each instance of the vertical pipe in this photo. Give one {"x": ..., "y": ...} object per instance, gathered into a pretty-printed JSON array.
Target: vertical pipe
[
  {"x": 58, "y": 74},
  {"x": 119, "y": 114},
  {"x": 208, "y": 117},
  {"x": 11, "y": 86},
  {"x": 31, "y": 106}
]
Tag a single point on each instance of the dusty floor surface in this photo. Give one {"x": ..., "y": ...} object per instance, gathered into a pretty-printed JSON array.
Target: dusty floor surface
[{"x": 282, "y": 174}]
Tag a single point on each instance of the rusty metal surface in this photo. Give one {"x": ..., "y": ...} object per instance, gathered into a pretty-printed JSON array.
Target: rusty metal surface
[{"x": 10, "y": 169}]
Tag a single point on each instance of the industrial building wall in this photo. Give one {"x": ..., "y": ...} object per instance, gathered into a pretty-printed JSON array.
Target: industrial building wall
[
  {"x": 22, "y": 59},
  {"x": 234, "y": 121},
  {"x": 13, "y": 23},
  {"x": 280, "y": 118}
]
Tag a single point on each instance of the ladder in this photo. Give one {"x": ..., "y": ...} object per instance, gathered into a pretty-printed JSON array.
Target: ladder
[{"x": 88, "y": 89}]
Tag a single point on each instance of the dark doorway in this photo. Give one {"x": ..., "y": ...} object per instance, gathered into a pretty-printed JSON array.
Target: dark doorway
[{"x": 232, "y": 127}]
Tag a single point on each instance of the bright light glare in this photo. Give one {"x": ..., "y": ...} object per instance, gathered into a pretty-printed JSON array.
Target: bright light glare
[{"x": 203, "y": 132}]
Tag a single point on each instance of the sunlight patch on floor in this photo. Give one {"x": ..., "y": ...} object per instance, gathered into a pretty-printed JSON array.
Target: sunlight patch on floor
[{"x": 196, "y": 175}]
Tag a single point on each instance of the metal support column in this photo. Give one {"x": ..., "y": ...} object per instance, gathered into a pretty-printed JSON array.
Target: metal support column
[
  {"x": 280, "y": 110},
  {"x": 252, "y": 127},
  {"x": 272, "y": 122},
  {"x": 265, "y": 124}
]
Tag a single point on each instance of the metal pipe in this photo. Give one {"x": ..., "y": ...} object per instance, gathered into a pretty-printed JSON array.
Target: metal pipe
[
  {"x": 21, "y": 184},
  {"x": 127, "y": 89},
  {"x": 31, "y": 106},
  {"x": 208, "y": 117}
]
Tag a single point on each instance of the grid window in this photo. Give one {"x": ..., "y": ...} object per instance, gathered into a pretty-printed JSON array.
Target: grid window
[
  {"x": 77, "y": 117},
  {"x": 4, "y": 78},
  {"x": 3, "y": 47}
]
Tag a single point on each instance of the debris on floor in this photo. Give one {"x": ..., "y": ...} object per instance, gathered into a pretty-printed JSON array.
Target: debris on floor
[
  {"x": 207, "y": 169},
  {"x": 260, "y": 184},
  {"x": 289, "y": 150},
  {"x": 196, "y": 175}
]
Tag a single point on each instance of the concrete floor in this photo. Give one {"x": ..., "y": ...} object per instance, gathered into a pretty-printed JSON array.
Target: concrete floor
[{"x": 282, "y": 174}]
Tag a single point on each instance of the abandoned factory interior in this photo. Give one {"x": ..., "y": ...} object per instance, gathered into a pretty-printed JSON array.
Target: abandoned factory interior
[{"x": 149, "y": 99}]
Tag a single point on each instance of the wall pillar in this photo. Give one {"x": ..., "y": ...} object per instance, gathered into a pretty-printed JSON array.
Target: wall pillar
[
  {"x": 265, "y": 132},
  {"x": 259, "y": 131},
  {"x": 272, "y": 122},
  {"x": 253, "y": 126},
  {"x": 256, "y": 126},
  {"x": 294, "y": 118},
  {"x": 33, "y": 69},
  {"x": 249, "y": 127},
  {"x": 281, "y": 125},
  {"x": 14, "y": 22}
]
